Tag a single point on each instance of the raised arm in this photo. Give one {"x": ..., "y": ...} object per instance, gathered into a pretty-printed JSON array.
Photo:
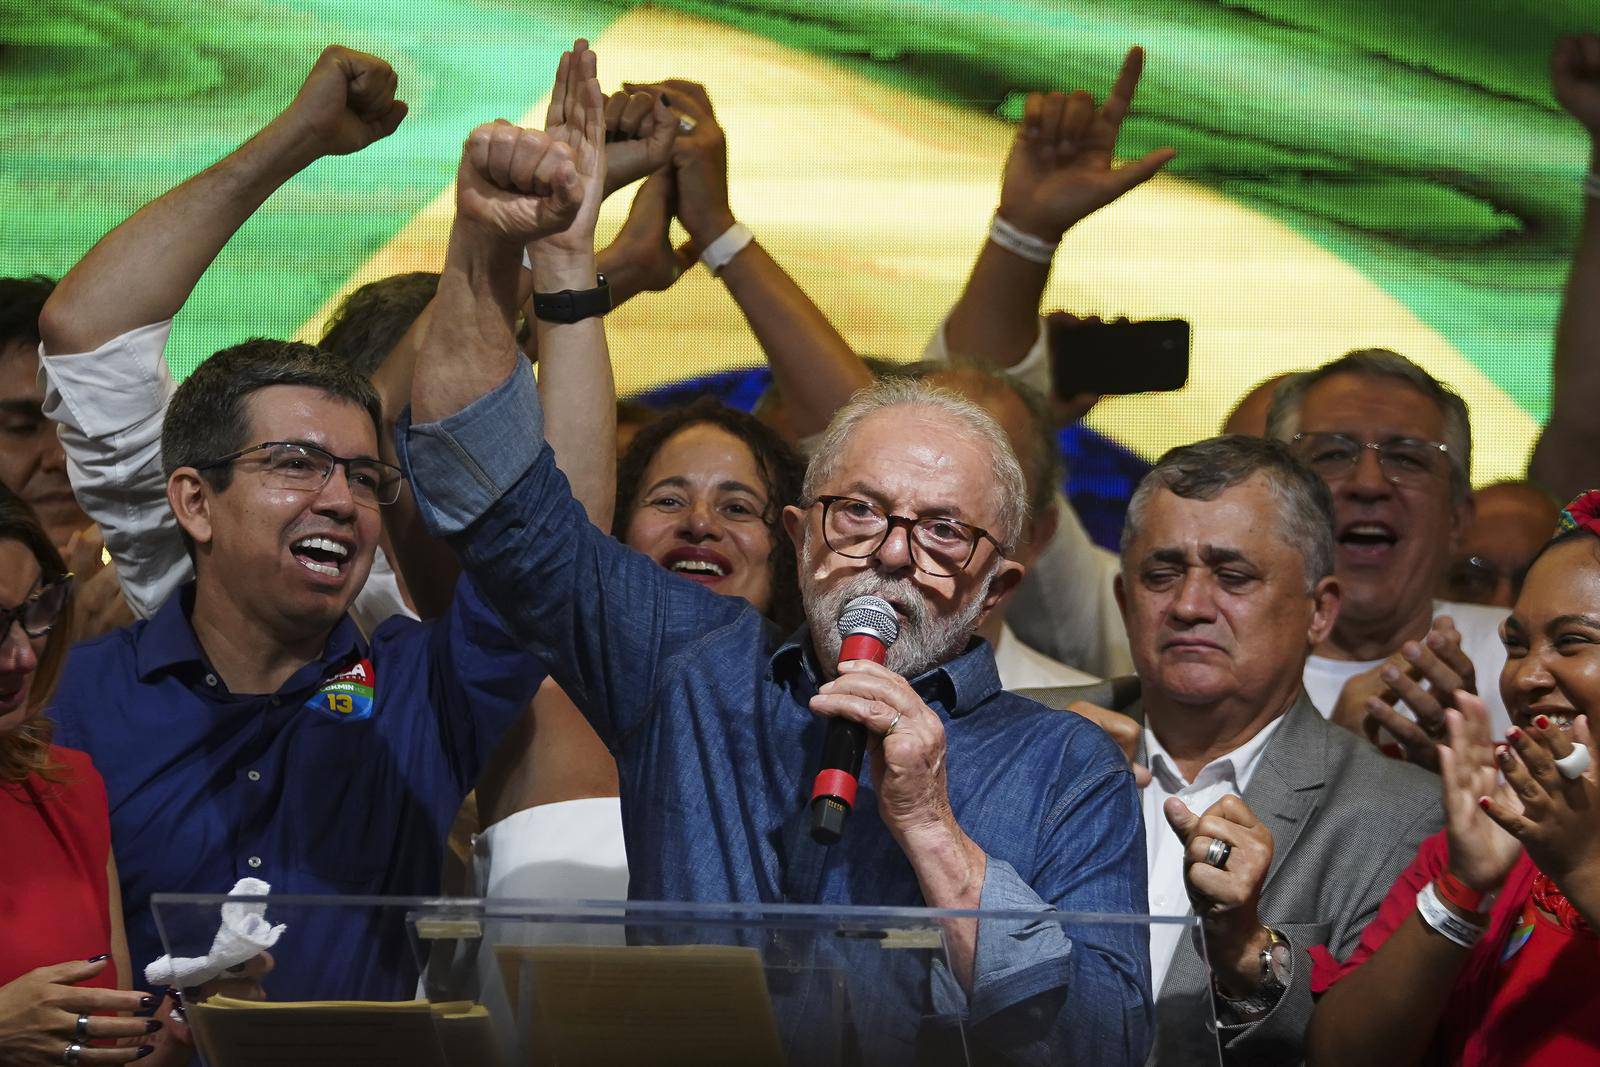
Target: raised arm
[
  {"x": 1060, "y": 170},
  {"x": 1565, "y": 459},
  {"x": 143, "y": 271},
  {"x": 814, "y": 367}
]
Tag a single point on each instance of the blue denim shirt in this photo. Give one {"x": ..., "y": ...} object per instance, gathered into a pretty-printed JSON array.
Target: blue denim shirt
[
  {"x": 705, "y": 708},
  {"x": 312, "y": 795}
]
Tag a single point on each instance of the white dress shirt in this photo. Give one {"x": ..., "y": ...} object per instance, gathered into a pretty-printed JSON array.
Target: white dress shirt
[
  {"x": 1223, "y": 776},
  {"x": 109, "y": 406}
]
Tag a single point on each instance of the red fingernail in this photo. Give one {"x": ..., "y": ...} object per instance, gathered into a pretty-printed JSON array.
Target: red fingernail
[
  {"x": 1542, "y": 722},
  {"x": 1513, "y": 733},
  {"x": 1483, "y": 802},
  {"x": 1503, "y": 754}
]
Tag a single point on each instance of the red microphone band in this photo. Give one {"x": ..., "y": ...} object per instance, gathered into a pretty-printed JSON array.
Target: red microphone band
[
  {"x": 835, "y": 783},
  {"x": 863, "y": 646}
]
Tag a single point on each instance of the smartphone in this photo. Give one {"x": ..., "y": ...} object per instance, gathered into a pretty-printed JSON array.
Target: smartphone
[{"x": 1117, "y": 358}]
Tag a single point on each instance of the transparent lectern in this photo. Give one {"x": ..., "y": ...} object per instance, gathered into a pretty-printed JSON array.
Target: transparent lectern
[{"x": 500, "y": 983}]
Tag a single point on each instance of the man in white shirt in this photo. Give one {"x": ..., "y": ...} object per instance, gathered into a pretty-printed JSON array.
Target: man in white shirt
[
  {"x": 1282, "y": 831},
  {"x": 1395, "y": 448}
]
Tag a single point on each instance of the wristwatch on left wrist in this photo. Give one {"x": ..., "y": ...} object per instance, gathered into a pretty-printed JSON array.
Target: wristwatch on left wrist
[
  {"x": 574, "y": 305},
  {"x": 1277, "y": 968}
]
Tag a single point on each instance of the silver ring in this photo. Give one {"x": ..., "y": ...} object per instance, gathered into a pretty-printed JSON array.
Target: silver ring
[
  {"x": 83, "y": 1026},
  {"x": 70, "y": 1056},
  {"x": 892, "y": 724},
  {"x": 1217, "y": 853},
  {"x": 685, "y": 124},
  {"x": 1574, "y": 763}
]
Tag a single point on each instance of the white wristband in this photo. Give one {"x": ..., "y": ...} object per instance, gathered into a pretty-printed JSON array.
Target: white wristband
[
  {"x": 718, "y": 253},
  {"x": 1591, "y": 184},
  {"x": 1034, "y": 249},
  {"x": 1445, "y": 921}
]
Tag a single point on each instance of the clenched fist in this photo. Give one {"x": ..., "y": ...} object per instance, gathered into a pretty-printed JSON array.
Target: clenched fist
[
  {"x": 346, "y": 103},
  {"x": 516, "y": 183}
]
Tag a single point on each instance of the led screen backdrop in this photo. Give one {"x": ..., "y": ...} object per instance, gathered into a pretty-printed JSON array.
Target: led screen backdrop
[{"x": 1349, "y": 173}]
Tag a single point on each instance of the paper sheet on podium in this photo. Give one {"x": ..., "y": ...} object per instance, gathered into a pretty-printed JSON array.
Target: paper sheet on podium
[
  {"x": 598, "y": 1005},
  {"x": 247, "y": 1033}
]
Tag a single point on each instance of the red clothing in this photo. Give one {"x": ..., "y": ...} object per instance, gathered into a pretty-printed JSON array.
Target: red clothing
[
  {"x": 1529, "y": 992},
  {"x": 55, "y": 840}
]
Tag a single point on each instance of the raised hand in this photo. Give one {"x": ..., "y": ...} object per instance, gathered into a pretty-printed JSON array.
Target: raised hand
[
  {"x": 517, "y": 184},
  {"x": 576, "y": 119},
  {"x": 1575, "y": 77},
  {"x": 1124, "y": 730},
  {"x": 1556, "y": 818},
  {"x": 1425, "y": 675},
  {"x": 640, "y": 133},
  {"x": 346, "y": 103},
  {"x": 1060, "y": 169},
  {"x": 1481, "y": 853},
  {"x": 641, "y": 258},
  {"x": 699, "y": 161},
  {"x": 1226, "y": 896}
]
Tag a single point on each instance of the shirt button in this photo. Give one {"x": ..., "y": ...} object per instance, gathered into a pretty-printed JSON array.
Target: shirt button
[
  {"x": 211, "y": 680},
  {"x": 254, "y": 776},
  {"x": 254, "y": 862}
]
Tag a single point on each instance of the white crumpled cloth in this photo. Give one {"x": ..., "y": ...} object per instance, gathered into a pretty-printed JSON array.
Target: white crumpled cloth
[{"x": 243, "y": 935}]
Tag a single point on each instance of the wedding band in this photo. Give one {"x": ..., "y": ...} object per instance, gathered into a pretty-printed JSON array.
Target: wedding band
[
  {"x": 1574, "y": 763},
  {"x": 83, "y": 1026},
  {"x": 70, "y": 1056},
  {"x": 685, "y": 125},
  {"x": 892, "y": 724},
  {"x": 1217, "y": 853}
]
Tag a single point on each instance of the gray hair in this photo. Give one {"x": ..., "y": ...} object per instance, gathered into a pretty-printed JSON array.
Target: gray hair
[
  {"x": 1203, "y": 470},
  {"x": 1283, "y": 417},
  {"x": 1039, "y": 452},
  {"x": 966, "y": 417}
]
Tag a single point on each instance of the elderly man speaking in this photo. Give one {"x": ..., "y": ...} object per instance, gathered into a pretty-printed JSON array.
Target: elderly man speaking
[
  {"x": 1281, "y": 830},
  {"x": 975, "y": 798}
]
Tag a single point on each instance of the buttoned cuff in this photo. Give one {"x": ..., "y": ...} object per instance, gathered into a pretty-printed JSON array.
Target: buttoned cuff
[
  {"x": 462, "y": 465},
  {"x": 1015, "y": 959}
]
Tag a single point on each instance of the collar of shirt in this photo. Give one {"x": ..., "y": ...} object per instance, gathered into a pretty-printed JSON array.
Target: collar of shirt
[
  {"x": 1235, "y": 768},
  {"x": 954, "y": 687},
  {"x": 167, "y": 643}
]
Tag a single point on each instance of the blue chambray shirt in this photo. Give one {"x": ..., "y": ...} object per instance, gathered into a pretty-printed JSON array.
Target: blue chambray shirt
[
  {"x": 705, "y": 709},
  {"x": 201, "y": 781}
]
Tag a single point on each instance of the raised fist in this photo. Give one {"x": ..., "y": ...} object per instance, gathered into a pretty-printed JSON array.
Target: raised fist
[
  {"x": 520, "y": 184},
  {"x": 1060, "y": 167},
  {"x": 346, "y": 103},
  {"x": 699, "y": 161},
  {"x": 1575, "y": 76},
  {"x": 640, "y": 132}
]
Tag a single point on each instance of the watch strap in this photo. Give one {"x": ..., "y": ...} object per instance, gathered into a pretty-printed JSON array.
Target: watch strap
[{"x": 574, "y": 305}]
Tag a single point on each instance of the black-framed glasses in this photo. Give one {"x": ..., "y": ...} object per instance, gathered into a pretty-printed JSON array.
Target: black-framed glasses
[
  {"x": 306, "y": 468},
  {"x": 1406, "y": 461},
  {"x": 939, "y": 546},
  {"x": 39, "y": 610}
]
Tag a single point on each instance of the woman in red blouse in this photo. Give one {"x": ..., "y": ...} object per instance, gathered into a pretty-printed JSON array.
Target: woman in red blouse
[
  {"x": 63, "y": 959},
  {"x": 1485, "y": 951}
]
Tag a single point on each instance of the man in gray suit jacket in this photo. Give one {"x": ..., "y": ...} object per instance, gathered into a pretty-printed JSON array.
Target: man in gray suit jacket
[{"x": 1280, "y": 830}]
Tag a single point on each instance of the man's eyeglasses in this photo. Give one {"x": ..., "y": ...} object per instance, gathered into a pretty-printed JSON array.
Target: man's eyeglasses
[
  {"x": 939, "y": 546},
  {"x": 1403, "y": 460},
  {"x": 37, "y": 614},
  {"x": 307, "y": 468},
  {"x": 1475, "y": 580}
]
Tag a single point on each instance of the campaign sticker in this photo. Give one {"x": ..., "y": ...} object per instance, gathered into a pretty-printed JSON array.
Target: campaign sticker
[{"x": 346, "y": 696}]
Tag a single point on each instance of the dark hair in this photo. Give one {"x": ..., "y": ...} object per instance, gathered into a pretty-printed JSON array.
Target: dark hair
[
  {"x": 207, "y": 417},
  {"x": 21, "y": 301},
  {"x": 25, "y": 751},
  {"x": 781, "y": 470},
  {"x": 1205, "y": 469},
  {"x": 368, "y": 323}
]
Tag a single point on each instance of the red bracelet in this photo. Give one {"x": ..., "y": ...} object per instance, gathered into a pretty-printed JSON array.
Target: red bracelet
[{"x": 1453, "y": 890}]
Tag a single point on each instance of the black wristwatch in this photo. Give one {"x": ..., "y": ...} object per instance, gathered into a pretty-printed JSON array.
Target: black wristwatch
[{"x": 574, "y": 305}]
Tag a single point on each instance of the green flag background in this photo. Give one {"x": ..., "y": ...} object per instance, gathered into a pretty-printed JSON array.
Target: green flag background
[{"x": 1348, "y": 173}]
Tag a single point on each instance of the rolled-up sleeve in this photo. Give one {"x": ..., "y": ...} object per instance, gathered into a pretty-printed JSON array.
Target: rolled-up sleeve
[
  {"x": 109, "y": 406},
  {"x": 462, "y": 465}
]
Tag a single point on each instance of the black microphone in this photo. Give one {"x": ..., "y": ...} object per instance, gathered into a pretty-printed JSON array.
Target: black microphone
[{"x": 868, "y": 626}]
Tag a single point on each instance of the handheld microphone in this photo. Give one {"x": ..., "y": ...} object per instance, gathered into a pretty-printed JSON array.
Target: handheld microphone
[{"x": 868, "y": 626}]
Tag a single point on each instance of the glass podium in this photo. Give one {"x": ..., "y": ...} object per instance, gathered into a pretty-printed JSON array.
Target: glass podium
[{"x": 446, "y": 982}]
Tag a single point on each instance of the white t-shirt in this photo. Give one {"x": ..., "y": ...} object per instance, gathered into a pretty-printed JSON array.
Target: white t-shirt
[
  {"x": 1021, "y": 667},
  {"x": 1224, "y": 776},
  {"x": 109, "y": 406},
  {"x": 1479, "y": 627}
]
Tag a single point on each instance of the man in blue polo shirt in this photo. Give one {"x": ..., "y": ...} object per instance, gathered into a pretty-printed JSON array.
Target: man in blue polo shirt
[{"x": 976, "y": 797}]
